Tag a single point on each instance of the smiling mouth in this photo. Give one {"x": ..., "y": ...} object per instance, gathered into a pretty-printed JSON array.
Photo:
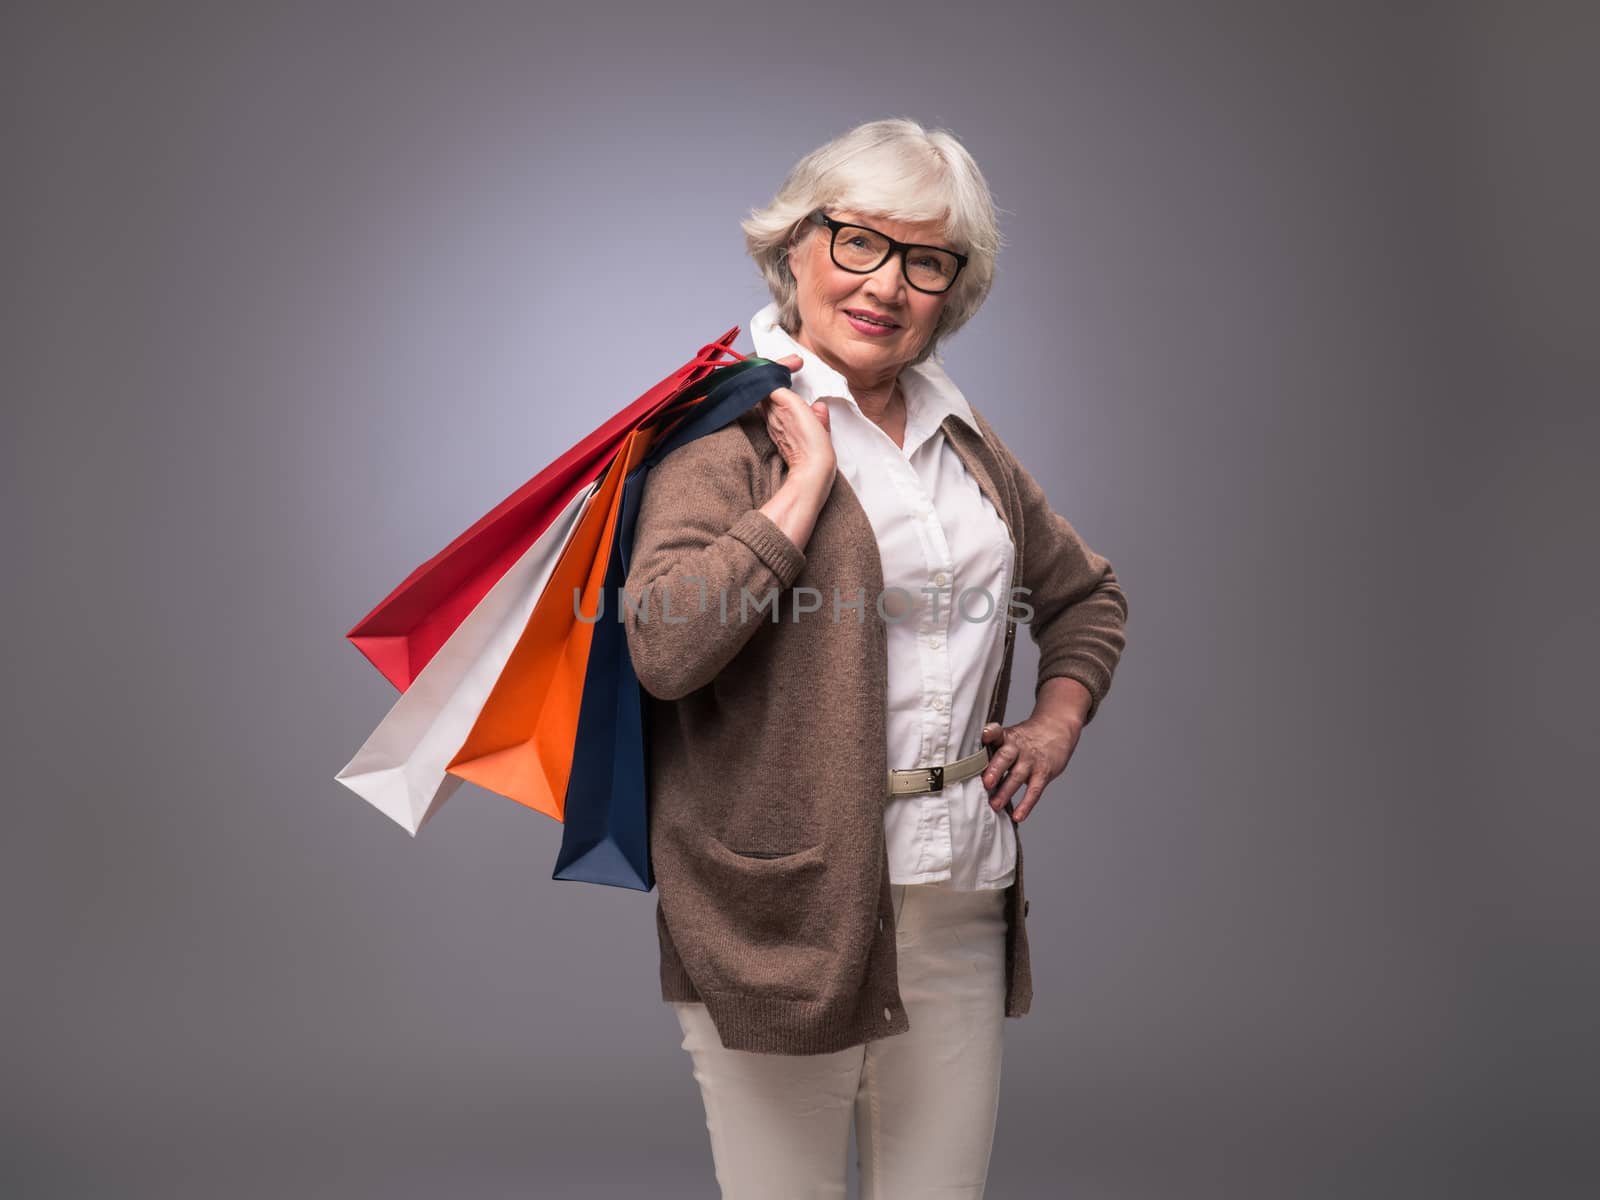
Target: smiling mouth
[{"x": 878, "y": 321}]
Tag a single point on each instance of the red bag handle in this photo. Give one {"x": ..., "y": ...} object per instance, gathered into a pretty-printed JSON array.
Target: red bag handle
[{"x": 705, "y": 353}]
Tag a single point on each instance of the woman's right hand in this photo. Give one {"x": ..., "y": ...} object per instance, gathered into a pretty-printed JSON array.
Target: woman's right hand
[
  {"x": 803, "y": 436},
  {"x": 801, "y": 432}
]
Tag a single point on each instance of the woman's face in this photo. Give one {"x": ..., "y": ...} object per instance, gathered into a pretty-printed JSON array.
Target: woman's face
[{"x": 833, "y": 302}]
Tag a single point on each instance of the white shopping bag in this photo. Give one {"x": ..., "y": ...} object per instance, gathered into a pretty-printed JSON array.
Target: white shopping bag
[{"x": 400, "y": 769}]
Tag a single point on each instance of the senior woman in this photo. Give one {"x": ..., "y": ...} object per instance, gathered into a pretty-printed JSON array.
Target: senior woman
[{"x": 823, "y": 604}]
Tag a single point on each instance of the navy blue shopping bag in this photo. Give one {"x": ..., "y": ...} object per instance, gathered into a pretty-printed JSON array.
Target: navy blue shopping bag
[{"x": 606, "y": 827}]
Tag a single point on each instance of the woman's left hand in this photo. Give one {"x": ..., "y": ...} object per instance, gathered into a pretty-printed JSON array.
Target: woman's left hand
[{"x": 1035, "y": 751}]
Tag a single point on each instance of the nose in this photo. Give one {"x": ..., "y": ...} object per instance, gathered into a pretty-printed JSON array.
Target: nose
[{"x": 888, "y": 281}]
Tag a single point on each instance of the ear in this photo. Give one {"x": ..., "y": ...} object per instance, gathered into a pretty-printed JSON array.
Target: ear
[
  {"x": 800, "y": 242},
  {"x": 791, "y": 252}
]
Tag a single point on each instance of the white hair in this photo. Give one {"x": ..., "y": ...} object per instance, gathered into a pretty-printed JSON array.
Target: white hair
[{"x": 892, "y": 168}]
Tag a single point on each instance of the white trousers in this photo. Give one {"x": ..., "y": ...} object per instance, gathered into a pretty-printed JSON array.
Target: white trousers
[{"x": 924, "y": 1101}]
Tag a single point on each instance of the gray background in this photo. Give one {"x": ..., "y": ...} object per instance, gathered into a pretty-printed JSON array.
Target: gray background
[{"x": 1296, "y": 323}]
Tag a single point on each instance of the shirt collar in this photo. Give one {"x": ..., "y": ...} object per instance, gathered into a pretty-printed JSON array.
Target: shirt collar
[{"x": 931, "y": 395}]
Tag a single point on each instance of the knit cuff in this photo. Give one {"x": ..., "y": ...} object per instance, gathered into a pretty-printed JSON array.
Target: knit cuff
[
  {"x": 770, "y": 544},
  {"x": 1088, "y": 672}
]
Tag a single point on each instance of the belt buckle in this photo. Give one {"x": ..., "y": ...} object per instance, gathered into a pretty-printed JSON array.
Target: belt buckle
[{"x": 935, "y": 779}]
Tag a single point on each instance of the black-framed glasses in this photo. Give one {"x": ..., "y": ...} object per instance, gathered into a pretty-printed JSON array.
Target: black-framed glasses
[{"x": 861, "y": 251}]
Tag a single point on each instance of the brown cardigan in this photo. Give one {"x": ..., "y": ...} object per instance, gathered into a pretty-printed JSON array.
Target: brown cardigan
[{"x": 767, "y": 732}]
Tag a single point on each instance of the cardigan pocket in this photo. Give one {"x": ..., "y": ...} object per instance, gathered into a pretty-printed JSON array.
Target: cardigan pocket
[
  {"x": 807, "y": 858},
  {"x": 773, "y": 831},
  {"x": 770, "y": 921}
]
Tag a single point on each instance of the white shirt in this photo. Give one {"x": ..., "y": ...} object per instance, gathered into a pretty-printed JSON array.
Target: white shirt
[{"x": 937, "y": 531}]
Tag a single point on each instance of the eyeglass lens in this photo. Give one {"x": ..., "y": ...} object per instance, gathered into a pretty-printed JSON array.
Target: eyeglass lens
[{"x": 863, "y": 250}]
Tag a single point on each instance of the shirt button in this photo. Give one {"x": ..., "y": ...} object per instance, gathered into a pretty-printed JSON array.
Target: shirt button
[
  {"x": 887, "y": 1015},
  {"x": 941, "y": 579}
]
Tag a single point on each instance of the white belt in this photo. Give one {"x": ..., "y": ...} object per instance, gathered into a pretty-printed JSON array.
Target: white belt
[{"x": 917, "y": 780}]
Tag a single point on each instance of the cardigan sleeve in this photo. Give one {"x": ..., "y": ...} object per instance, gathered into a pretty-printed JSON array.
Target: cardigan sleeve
[
  {"x": 701, "y": 544},
  {"x": 1080, "y": 611}
]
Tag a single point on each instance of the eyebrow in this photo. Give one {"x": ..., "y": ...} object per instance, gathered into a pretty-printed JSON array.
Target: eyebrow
[{"x": 866, "y": 223}]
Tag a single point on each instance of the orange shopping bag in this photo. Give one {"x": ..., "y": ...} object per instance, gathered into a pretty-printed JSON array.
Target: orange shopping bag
[{"x": 521, "y": 744}]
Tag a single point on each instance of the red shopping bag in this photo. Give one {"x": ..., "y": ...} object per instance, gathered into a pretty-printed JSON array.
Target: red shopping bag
[{"x": 404, "y": 632}]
